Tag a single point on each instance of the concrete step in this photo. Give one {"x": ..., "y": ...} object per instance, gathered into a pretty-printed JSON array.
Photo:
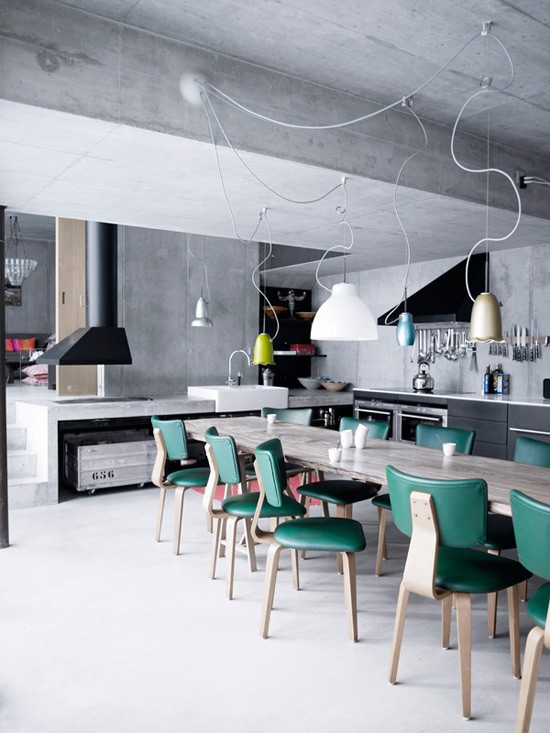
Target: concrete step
[
  {"x": 28, "y": 492},
  {"x": 17, "y": 437},
  {"x": 21, "y": 464}
]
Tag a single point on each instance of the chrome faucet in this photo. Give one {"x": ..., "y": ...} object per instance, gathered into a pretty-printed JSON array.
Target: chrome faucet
[{"x": 231, "y": 382}]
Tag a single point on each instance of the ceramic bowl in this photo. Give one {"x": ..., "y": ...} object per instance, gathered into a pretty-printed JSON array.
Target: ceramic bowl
[
  {"x": 334, "y": 386},
  {"x": 310, "y": 382}
]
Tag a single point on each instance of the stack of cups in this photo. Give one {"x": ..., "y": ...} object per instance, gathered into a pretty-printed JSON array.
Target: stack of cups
[{"x": 361, "y": 436}]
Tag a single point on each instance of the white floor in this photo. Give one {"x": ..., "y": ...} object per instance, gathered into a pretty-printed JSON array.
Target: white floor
[{"x": 104, "y": 630}]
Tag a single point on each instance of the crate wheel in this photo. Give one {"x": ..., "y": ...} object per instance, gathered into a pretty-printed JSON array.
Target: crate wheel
[{"x": 91, "y": 492}]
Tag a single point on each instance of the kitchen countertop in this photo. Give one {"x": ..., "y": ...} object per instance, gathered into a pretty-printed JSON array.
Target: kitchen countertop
[
  {"x": 507, "y": 399},
  {"x": 318, "y": 398}
]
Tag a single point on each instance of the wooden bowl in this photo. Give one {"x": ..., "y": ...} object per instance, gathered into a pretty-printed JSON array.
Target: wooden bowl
[
  {"x": 270, "y": 311},
  {"x": 334, "y": 386},
  {"x": 306, "y": 315}
]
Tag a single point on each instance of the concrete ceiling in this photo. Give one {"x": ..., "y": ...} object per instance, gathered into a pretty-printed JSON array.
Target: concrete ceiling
[
  {"x": 55, "y": 163},
  {"x": 379, "y": 50}
]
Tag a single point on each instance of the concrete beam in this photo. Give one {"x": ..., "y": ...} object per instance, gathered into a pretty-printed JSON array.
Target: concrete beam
[{"x": 63, "y": 59}]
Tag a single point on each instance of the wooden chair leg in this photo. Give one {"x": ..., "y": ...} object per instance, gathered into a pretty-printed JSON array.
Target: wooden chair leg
[
  {"x": 464, "y": 633},
  {"x": 326, "y": 512},
  {"x": 492, "y": 603},
  {"x": 341, "y": 514},
  {"x": 513, "y": 622},
  {"x": 446, "y": 612},
  {"x": 295, "y": 569},
  {"x": 250, "y": 549},
  {"x": 350, "y": 591},
  {"x": 523, "y": 591},
  {"x": 215, "y": 545},
  {"x": 269, "y": 592},
  {"x": 209, "y": 524},
  {"x": 230, "y": 556},
  {"x": 381, "y": 551},
  {"x": 160, "y": 513},
  {"x": 400, "y": 614},
  {"x": 531, "y": 664},
  {"x": 178, "y": 511}
]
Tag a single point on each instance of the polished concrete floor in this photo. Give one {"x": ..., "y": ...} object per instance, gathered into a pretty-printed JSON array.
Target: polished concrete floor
[{"x": 103, "y": 630}]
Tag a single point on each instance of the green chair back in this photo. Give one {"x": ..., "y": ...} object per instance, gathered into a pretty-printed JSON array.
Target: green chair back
[
  {"x": 380, "y": 430},
  {"x": 532, "y": 529},
  {"x": 431, "y": 436},
  {"x": 226, "y": 456},
  {"x": 535, "y": 452},
  {"x": 271, "y": 467},
  {"x": 298, "y": 416},
  {"x": 174, "y": 436},
  {"x": 461, "y": 506}
]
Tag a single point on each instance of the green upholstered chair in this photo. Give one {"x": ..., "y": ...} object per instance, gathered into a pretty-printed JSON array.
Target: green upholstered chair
[
  {"x": 171, "y": 440},
  {"x": 378, "y": 430},
  {"x": 227, "y": 467},
  {"x": 298, "y": 416},
  {"x": 532, "y": 527},
  {"x": 346, "y": 492},
  {"x": 445, "y": 520},
  {"x": 427, "y": 436},
  {"x": 533, "y": 452},
  {"x": 343, "y": 536}
]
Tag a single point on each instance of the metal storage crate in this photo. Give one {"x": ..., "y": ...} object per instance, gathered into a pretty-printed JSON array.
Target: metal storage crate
[{"x": 108, "y": 459}]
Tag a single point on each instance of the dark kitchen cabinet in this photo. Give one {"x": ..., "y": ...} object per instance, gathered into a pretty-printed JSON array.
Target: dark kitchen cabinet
[
  {"x": 488, "y": 419},
  {"x": 528, "y": 421}
]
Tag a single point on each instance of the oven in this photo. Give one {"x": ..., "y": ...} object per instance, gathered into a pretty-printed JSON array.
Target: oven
[
  {"x": 377, "y": 411},
  {"x": 408, "y": 417}
]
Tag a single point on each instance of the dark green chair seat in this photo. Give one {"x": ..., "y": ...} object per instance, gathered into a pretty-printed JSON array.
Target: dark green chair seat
[
  {"x": 537, "y": 606},
  {"x": 244, "y": 506},
  {"x": 383, "y": 501},
  {"x": 318, "y": 533},
  {"x": 471, "y": 571},
  {"x": 189, "y": 477},
  {"x": 531, "y": 451},
  {"x": 338, "y": 491}
]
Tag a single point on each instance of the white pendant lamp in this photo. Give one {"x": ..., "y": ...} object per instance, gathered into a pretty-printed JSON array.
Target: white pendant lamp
[
  {"x": 344, "y": 317},
  {"x": 486, "y": 319},
  {"x": 201, "y": 319}
]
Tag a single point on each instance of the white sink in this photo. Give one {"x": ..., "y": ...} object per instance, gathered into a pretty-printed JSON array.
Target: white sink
[{"x": 246, "y": 397}]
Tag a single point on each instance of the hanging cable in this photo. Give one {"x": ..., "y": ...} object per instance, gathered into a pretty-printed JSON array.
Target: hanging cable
[
  {"x": 407, "y": 242},
  {"x": 205, "y": 271},
  {"x": 536, "y": 180},
  {"x": 346, "y": 247},
  {"x": 208, "y": 87},
  {"x": 254, "y": 175},
  {"x": 487, "y": 170},
  {"x": 263, "y": 215},
  {"x": 218, "y": 165}
]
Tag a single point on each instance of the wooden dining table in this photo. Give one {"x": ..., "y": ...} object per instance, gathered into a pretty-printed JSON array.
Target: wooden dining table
[{"x": 309, "y": 446}]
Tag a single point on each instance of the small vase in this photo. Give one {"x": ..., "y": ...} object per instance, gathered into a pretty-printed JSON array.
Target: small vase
[{"x": 405, "y": 330}]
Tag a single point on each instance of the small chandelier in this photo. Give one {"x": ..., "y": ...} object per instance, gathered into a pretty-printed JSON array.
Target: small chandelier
[{"x": 17, "y": 267}]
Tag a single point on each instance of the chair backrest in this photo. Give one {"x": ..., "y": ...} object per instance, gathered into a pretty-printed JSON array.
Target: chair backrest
[
  {"x": 270, "y": 462},
  {"x": 380, "y": 430},
  {"x": 299, "y": 416},
  {"x": 460, "y": 505},
  {"x": 535, "y": 452},
  {"x": 174, "y": 437},
  {"x": 431, "y": 436},
  {"x": 226, "y": 456},
  {"x": 532, "y": 529}
]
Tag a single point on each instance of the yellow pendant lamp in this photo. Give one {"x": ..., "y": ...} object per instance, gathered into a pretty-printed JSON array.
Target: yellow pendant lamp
[{"x": 263, "y": 350}]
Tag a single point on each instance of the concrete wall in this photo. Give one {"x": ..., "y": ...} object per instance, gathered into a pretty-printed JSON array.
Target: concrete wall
[
  {"x": 520, "y": 278},
  {"x": 159, "y": 285},
  {"x": 36, "y": 314}
]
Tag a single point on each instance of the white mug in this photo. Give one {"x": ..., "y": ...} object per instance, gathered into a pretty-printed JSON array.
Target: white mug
[
  {"x": 361, "y": 436},
  {"x": 334, "y": 454},
  {"x": 346, "y": 438},
  {"x": 271, "y": 418},
  {"x": 449, "y": 449}
]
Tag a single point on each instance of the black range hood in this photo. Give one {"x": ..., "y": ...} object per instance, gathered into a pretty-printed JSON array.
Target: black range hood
[
  {"x": 445, "y": 299},
  {"x": 102, "y": 341}
]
